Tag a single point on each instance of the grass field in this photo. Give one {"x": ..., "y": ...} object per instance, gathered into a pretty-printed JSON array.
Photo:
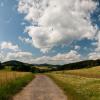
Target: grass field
[
  {"x": 6, "y": 76},
  {"x": 90, "y": 72},
  {"x": 12, "y": 82},
  {"x": 83, "y": 84}
]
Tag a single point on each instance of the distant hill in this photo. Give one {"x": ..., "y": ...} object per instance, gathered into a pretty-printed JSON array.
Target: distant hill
[
  {"x": 79, "y": 65},
  {"x": 20, "y": 66},
  {"x": 17, "y": 65}
]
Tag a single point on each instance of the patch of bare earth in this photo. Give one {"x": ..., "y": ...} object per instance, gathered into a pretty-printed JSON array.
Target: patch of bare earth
[{"x": 41, "y": 88}]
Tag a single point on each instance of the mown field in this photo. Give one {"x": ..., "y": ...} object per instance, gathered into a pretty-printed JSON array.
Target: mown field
[
  {"x": 11, "y": 82},
  {"x": 82, "y": 84}
]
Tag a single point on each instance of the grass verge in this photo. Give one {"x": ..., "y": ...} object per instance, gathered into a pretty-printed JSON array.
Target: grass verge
[
  {"x": 11, "y": 88},
  {"x": 63, "y": 86},
  {"x": 76, "y": 87}
]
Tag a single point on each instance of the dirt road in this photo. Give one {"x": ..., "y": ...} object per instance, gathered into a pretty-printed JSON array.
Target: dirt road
[{"x": 41, "y": 88}]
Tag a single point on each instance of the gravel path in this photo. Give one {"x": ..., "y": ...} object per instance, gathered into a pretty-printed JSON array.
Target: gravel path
[{"x": 41, "y": 88}]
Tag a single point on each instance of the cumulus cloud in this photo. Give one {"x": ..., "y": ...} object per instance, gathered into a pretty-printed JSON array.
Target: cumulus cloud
[
  {"x": 8, "y": 45},
  {"x": 24, "y": 56},
  {"x": 57, "y": 22},
  {"x": 71, "y": 56},
  {"x": 10, "y": 51},
  {"x": 98, "y": 42},
  {"x": 27, "y": 57},
  {"x": 20, "y": 55},
  {"x": 96, "y": 53},
  {"x": 1, "y": 56},
  {"x": 25, "y": 40},
  {"x": 77, "y": 47}
]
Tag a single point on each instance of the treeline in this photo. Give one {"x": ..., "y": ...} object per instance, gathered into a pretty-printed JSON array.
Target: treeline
[
  {"x": 20, "y": 66},
  {"x": 25, "y": 67},
  {"x": 1, "y": 66},
  {"x": 79, "y": 65}
]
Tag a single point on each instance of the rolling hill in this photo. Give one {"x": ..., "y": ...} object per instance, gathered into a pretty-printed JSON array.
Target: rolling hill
[{"x": 20, "y": 66}]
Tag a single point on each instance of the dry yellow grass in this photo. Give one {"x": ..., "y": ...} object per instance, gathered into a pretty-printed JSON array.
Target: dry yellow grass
[
  {"x": 77, "y": 86},
  {"x": 6, "y": 76},
  {"x": 86, "y": 72},
  {"x": 82, "y": 84},
  {"x": 11, "y": 82}
]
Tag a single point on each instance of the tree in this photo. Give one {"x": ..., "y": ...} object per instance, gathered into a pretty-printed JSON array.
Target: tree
[{"x": 1, "y": 66}]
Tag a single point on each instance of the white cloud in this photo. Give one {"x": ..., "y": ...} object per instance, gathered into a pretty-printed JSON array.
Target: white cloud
[
  {"x": 25, "y": 40},
  {"x": 69, "y": 57},
  {"x": 98, "y": 42},
  {"x": 94, "y": 55},
  {"x": 8, "y": 45},
  {"x": 1, "y": 56},
  {"x": 64, "y": 58},
  {"x": 77, "y": 47},
  {"x": 59, "y": 22},
  {"x": 9, "y": 51},
  {"x": 20, "y": 55},
  {"x": 15, "y": 53}
]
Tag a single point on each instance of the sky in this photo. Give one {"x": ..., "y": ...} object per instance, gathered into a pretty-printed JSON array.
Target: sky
[{"x": 49, "y": 31}]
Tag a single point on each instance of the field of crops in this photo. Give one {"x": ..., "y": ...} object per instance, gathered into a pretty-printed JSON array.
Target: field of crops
[
  {"x": 7, "y": 76},
  {"x": 81, "y": 84},
  {"x": 11, "y": 82}
]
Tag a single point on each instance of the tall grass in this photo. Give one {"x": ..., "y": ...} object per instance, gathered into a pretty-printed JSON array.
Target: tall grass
[
  {"x": 12, "y": 82},
  {"x": 86, "y": 72},
  {"x": 6, "y": 76},
  {"x": 76, "y": 86}
]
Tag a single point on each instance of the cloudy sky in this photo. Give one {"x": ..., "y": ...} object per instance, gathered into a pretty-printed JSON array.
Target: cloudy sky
[{"x": 49, "y": 31}]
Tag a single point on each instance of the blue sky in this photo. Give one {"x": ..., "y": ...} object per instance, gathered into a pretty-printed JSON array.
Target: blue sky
[
  {"x": 11, "y": 25},
  {"x": 14, "y": 21}
]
